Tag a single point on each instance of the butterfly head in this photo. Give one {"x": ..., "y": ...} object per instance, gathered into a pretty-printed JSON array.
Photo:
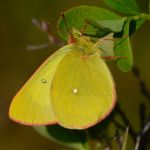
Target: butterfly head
[{"x": 81, "y": 42}]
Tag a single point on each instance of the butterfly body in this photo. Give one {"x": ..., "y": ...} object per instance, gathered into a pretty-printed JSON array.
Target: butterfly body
[{"x": 73, "y": 88}]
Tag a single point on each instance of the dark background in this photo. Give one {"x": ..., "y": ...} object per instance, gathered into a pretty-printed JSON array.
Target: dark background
[{"x": 17, "y": 65}]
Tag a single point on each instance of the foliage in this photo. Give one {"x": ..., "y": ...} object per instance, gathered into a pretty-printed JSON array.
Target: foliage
[
  {"x": 102, "y": 22},
  {"x": 129, "y": 7},
  {"x": 72, "y": 138}
]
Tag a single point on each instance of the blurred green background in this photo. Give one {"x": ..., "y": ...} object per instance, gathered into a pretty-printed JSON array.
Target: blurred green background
[{"x": 17, "y": 65}]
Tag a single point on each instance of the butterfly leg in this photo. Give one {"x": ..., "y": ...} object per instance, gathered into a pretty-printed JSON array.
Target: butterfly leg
[{"x": 116, "y": 58}]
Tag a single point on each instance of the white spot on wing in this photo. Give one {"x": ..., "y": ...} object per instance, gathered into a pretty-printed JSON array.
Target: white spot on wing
[{"x": 75, "y": 91}]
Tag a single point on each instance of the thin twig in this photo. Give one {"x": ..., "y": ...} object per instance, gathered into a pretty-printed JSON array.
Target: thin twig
[
  {"x": 118, "y": 125},
  {"x": 141, "y": 135},
  {"x": 127, "y": 122},
  {"x": 119, "y": 140},
  {"x": 144, "y": 90}
]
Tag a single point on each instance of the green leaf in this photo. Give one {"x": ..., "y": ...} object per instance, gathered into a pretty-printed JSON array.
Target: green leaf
[
  {"x": 77, "y": 16},
  {"x": 101, "y": 30},
  {"x": 125, "y": 139},
  {"x": 137, "y": 21},
  {"x": 135, "y": 24},
  {"x": 129, "y": 7},
  {"x": 122, "y": 48},
  {"x": 72, "y": 138},
  {"x": 115, "y": 25}
]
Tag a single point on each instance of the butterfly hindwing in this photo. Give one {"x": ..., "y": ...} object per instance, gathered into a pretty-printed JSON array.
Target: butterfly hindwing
[{"x": 83, "y": 91}]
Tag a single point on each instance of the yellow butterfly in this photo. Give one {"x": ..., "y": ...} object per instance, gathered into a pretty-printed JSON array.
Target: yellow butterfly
[{"x": 73, "y": 88}]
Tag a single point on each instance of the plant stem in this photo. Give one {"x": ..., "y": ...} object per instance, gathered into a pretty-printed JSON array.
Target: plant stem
[
  {"x": 140, "y": 16},
  {"x": 127, "y": 123},
  {"x": 140, "y": 140},
  {"x": 142, "y": 84}
]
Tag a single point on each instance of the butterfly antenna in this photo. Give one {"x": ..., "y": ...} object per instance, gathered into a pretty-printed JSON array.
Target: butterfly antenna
[
  {"x": 63, "y": 15},
  {"x": 83, "y": 29},
  {"x": 71, "y": 39}
]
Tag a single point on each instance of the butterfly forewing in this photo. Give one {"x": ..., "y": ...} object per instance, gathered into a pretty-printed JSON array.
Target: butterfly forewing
[{"x": 32, "y": 104}]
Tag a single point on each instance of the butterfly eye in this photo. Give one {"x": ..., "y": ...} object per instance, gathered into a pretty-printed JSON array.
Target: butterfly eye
[{"x": 43, "y": 81}]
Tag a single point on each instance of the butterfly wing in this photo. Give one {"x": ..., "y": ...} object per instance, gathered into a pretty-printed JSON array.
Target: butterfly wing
[
  {"x": 83, "y": 91},
  {"x": 32, "y": 105},
  {"x": 107, "y": 44}
]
